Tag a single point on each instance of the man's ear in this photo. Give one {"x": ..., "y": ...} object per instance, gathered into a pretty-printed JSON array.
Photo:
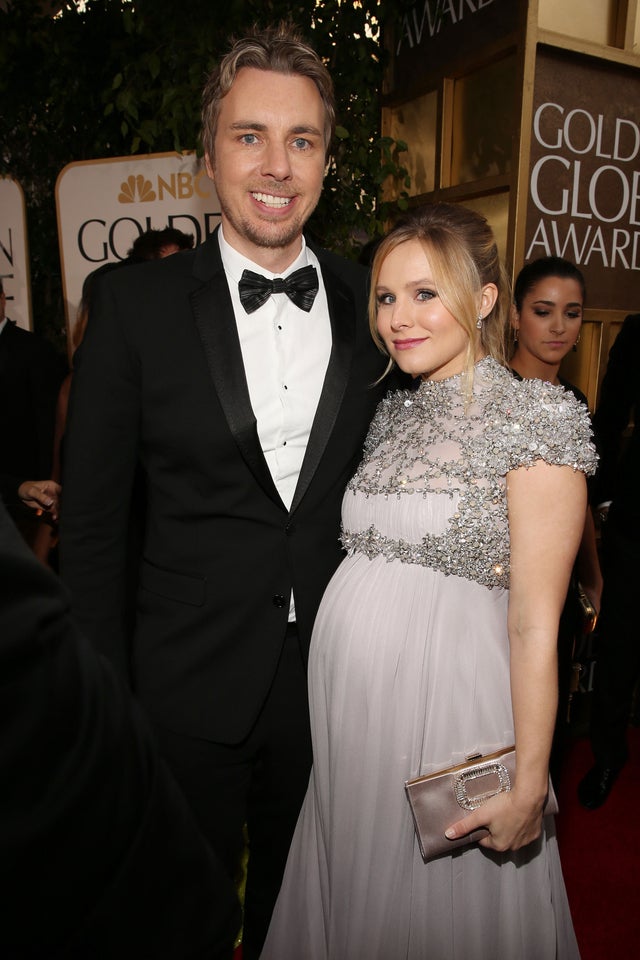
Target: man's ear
[{"x": 209, "y": 167}]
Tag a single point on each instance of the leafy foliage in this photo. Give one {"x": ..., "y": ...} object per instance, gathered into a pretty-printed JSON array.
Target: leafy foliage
[{"x": 116, "y": 77}]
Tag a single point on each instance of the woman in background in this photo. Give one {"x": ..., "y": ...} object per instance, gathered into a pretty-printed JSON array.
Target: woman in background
[
  {"x": 436, "y": 638},
  {"x": 546, "y": 320}
]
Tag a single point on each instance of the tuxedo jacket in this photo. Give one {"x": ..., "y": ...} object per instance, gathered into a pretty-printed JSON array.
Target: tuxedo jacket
[
  {"x": 159, "y": 380},
  {"x": 99, "y": 856}
]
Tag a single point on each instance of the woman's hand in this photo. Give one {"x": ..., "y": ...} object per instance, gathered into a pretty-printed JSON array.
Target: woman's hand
[{"x": 512, "y": 821}]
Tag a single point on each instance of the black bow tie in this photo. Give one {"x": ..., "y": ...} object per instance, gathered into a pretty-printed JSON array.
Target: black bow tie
[{"x": 301, "y": 287}]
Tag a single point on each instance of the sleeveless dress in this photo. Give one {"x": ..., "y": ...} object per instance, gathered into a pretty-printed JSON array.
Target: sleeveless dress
[{"x": 409, "y": 673}]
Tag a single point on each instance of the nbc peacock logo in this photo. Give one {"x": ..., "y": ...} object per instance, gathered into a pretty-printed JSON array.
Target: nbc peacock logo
[{"x": 136, "y": 188}]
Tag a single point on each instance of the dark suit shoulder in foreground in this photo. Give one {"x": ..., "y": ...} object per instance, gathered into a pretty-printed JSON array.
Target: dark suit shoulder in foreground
[{"x": 99, "y": 856}]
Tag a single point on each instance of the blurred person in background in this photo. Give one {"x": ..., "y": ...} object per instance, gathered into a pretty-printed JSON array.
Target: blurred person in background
[
  {"x": 156, "y": 244},
  {"x": 31, "y": 372},
  {"x": 615, "y": 498}
]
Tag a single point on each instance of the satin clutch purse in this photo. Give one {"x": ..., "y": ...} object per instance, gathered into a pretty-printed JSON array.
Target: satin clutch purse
[{"x": 439, "y": 799}]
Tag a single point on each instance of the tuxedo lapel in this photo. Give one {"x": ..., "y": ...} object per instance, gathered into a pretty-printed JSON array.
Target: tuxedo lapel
[
  {"x": 341, "y": 314},
  {"x": 215, "y": 321}
]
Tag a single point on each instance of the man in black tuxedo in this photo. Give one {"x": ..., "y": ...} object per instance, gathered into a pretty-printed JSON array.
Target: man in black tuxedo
[
  {"x": 616, "y": 498},
  {"x": 31, "y": 372},
  {"x": 100, "y": 856},
  {"x": 247, "y": 411}
]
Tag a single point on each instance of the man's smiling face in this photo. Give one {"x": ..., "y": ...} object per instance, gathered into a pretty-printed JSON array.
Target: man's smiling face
[{"x": 268, "y": 164}]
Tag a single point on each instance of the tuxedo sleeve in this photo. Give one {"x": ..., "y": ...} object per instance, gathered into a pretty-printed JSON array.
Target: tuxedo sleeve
[
  {"x": 99, "y": 856},
  {"x": 99, "y": 469}
]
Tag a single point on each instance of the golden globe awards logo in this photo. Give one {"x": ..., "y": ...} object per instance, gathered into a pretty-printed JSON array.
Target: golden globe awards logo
[
  {"x": 431, "y": 38},
  {"x": 586, "y": 187},
  {"x": 425, "y": 21},
  {"x": 584, "y": 173}
]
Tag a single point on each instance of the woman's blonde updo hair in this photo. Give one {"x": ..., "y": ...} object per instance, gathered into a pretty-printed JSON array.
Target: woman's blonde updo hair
[{"x": 462, "y": 252}]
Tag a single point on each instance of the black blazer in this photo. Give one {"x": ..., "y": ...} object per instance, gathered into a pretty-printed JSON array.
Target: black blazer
[
  {"x": 99, "y": 856},
  {"x": 160, "y": 377}
]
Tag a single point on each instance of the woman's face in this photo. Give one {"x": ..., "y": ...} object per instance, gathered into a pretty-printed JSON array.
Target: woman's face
[
  {"x": 549, "y": 321},
  {"x": 418, "y": 331}
]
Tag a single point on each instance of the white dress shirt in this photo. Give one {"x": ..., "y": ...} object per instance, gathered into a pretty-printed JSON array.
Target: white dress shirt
[{"x": 285, "y": 351}]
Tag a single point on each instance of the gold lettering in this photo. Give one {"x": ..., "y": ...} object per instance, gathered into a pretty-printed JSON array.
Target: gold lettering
[
  {"x": 185, "y": 188},
  {"x": 169, "y": 188},
  {"x": 202, "y": 175}
]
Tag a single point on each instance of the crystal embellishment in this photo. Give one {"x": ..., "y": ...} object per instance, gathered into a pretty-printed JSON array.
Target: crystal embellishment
[
  {"x": 431, "y": 443},
  {"x": 493, "y": 771}
]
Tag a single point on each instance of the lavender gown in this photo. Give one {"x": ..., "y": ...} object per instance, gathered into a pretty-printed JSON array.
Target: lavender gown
[{"x": 409, "y": 672}]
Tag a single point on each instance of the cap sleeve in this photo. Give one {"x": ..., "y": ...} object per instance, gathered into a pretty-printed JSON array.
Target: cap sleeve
[{"x": 547, "y": 422}]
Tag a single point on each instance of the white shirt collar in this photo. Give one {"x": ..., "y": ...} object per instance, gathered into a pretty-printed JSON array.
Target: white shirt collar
[{"x": 234, "y": 263}]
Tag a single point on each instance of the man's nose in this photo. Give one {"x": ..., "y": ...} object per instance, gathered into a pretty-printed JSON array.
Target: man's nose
[{"x": 276, "y": 161}]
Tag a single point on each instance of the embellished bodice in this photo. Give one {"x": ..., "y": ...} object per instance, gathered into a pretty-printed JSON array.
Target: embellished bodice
[{"x": 431, "y": 443}]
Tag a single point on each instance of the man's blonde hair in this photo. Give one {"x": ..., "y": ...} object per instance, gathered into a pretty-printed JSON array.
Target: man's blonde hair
[{"x": 280, "y": 49}]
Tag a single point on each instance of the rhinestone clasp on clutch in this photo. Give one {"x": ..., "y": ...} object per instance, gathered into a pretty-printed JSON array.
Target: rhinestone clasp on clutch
[{"x": 465, "y": 789}]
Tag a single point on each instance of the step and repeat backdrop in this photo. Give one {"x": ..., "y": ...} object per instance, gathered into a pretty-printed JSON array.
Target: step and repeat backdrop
[
  {"x": 14, "y": 254},
  {"x": 104, "y": 205}
]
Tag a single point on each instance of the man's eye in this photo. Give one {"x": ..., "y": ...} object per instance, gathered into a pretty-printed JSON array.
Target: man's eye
[
  {"x": 249, "y": 138},
  {"x": 301, "y": 143}
]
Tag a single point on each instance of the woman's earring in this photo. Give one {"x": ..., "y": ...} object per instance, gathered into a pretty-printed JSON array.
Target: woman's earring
[
  {"x": 515, "y": 335},
  {"x": 479, "y": 322},
  {"x": 575, "y": 345}
]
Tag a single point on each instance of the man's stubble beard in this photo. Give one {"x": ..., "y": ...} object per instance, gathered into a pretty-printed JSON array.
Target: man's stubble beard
[
  {"x": 268, "y": 234},
  {"x": 270, "y": 239}
]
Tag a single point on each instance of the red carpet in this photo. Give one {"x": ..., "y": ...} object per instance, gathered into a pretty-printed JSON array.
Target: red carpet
[{"x": 600, "y": 852}]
